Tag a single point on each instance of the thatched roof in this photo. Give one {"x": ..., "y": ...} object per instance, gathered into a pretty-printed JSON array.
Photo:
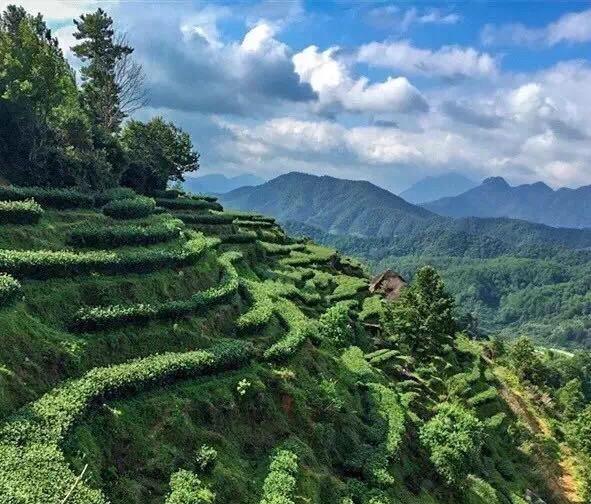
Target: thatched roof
[{"x": 389, "y": 283}]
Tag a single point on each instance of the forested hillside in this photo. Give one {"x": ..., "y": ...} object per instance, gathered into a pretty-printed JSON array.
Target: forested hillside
[{"x": 158, "y": 348}]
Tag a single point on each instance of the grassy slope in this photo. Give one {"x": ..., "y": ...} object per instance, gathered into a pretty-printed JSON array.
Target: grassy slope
[{"x": 314, "y": 402}]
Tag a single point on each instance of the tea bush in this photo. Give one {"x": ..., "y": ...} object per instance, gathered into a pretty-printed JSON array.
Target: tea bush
[
  {"x": 32, "y": 467},
  {"x": 117, "y": 193},
  {"x": 187, "y": 488},
  {"x": 453, "y": 437},
  {"x": 388, "y": 406},
  {"x": 61, "y": 199},
  {"x": 110, "y": 317},
  {"x": 167, "y": 194},
  {"x": 254, "y": 223},
  {"x": 347, "y": 287},
  {"x": 372, "y": 308},
  {"x": 119, "y": 236},
  {"x": 280, "y": 484},
  {"x": 10, "y": 289},
  {"x": 335, "y": 325},
  {"x": 130, "y": 208},
  {"x": 205, "y": 218},
  {"x": 299, "y": 329},
  {"x": 20, "y": 212},
  {"x": 277, "y": 249},
  {"x": 188, "y": 204},
  {"x": 47, "y": 264},
  {"x": 243, "y": 237}
]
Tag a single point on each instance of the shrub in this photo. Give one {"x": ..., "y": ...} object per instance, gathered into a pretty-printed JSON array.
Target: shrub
[
  {"x": 280, "y": 483},
  {"x": 335, "y": 325},
  {"x": 387, "y": 405},
  {"x": 275, "y": 249},
  {"x": 453, "y": 437},
  {"x": 205, "y": 218},
  {"x": 187, "y": 488},
  {"x": 254, "y": 224},
  {"x": 31, "y": 463},
  {"x": 299, "y": 329},
  {"x": 133, "y": 208},
  {"x": 372, "y": 308},
  {"x": 188, "y": 204},
  {"x": 205, "y": 197},
  {"x": 54, "y": 198},
  {"x": 117, "y": 193},
  {"x": 110, "y": 317},
  {"x": 244, "y": 237},
  {"x": 10, "y": 289},
  {"x": 47, "y": 264},
  {"x": 206, "y": 457},
  {"x": 119, "y": 236},
  {"x": 167, "y": 194},
  {"x": 20, "y": 212}
]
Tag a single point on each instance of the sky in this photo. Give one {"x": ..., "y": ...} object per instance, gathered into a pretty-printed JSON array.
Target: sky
[{"x": 383, "y": 91}]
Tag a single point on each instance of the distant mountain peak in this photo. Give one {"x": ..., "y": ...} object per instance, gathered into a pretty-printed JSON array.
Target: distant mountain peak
[
  {"x": 499, "y": 182},
  {"x": 435, "y": 187}
]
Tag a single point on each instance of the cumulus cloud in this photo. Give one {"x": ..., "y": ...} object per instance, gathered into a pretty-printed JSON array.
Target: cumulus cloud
[
  {"x": 574, "y": 27},
  {"x": 448, "y": 61},
  {"x": 331, "y": 79}
]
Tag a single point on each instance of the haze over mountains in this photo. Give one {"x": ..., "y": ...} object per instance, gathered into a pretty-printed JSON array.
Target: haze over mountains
[
  {"x": 436, "y": 187},
  {"x": 532, "y": 202},
  {"x": 219, "y": 183}
]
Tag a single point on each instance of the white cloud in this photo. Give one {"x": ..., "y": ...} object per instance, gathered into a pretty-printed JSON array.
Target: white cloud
[
  {"x": 574, "y": 27},
  {"x": 57, "y": 10},
  {"x": 448, "y": 61},
  {"x": 331, "y": 79},
  {"x": 393, "y": 17}
]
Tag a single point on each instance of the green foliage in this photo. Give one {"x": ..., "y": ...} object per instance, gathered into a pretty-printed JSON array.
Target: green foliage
[
  {"x": 206, "y": 457},
  {"x": 372, "y": 308},
  {"x": 571, "y": 398},
  {"x": 110, "y": 317},
  {"x": 526, "y": 361},
  {"x": 119, "y": 236},
  {"x": 135, "y": 208},
  {"x": 10, "y": 289},
  {"x": 20, "y": 212},
  {"x": 453, "y": 437},
  {"x": 55, "y": 198},
  {"x": 29, "y": 441},
  {"x": 280, "y": 483},
  {"x": 299, "y": 330},
  {"x": 209, "y": 218},
  {"x": 48, "y": 264},
  {"x": 187, "y": 488},
  {"x": 158, "y": 151},
  {"x": 421, "y": 321},
  {"x": 188, "y": 204},
  {"x": 336, "y": 325},
  {"x": 387, "y": 405},
  {"x": 347, "y": 287}
]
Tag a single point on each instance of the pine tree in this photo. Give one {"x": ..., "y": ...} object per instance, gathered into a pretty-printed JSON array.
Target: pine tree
[
  {"x": 101, "y": 52},
  {"x": 421, "y": 321}
]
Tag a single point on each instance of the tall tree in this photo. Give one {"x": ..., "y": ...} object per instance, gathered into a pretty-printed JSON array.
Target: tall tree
[
  {"x": 158, "y": 152},
  {"x": 101, "y": 52},
  {"x": 421, "y": 321}
]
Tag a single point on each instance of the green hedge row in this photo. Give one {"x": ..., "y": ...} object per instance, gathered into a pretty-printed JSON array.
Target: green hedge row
[
  {"x": 393, "y": 414},
  {"x": 117, "y": 193},
  {"x": 119, "y": 236},
  {"x": 277, "y": 249},
  {"x": 110, "y": 317},
  {"x": 130, "y": 208},
  {"x": 33, "y": 469},
  {"x": 188, "y": 204},
  {"x": 204, "y": 197},
  {"x": 167, "y": 194},
  {"x": 10, "y": 289},
  {"x": 187, "y": 488},
  {"x": 262, "y": 295},
  {"x": 20, "y": 212},
  {"x": 55, "y": 198},
  {"x": 206, "y": 218},
  {"x": 251, "y": 217},
  {"x": 47, "y": 264},
  {"x": 299, "y": 329},
  {"x": 280, "y": 483},
  {"x": 254, "y": 223},
  {"x": 244, "y": 237},
  {"x": 347, "y": 287}
]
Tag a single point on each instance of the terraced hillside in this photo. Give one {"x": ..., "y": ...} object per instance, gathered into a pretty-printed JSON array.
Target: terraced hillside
[{"x": 165, "y": 350}]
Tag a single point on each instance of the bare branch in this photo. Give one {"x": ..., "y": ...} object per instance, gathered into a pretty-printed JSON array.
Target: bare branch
[{"x": 130, "y": 80}]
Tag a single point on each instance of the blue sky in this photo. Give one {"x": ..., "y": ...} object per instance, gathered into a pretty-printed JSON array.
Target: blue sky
[{"x": 384, "y": 91}]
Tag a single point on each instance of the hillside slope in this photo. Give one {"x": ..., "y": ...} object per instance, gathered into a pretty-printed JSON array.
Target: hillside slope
[
  {"x": 531, "y": 202},
  {"x": 197, "y": 355},
  {"x": 334, "y": 205}
]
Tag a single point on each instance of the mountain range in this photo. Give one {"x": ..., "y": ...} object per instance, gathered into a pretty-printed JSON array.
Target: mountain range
[
  {"x": 362, "y": 209},
  {"x": 219, "y": 183},
  {"x": 437, "y": 187},
  {"x": 532, "y": 202}
]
